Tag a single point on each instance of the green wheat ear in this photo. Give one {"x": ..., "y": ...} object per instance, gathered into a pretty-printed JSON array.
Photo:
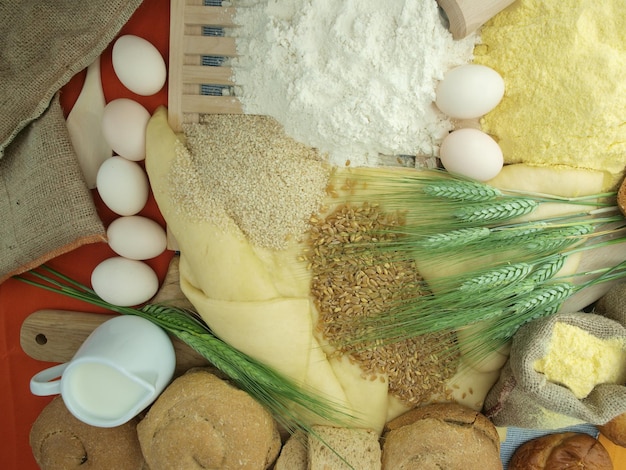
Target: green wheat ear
[
  {"x": 448, "y": 220},
  {"x": 468, "y": 191},
  {"x": 495, "y": 211}
]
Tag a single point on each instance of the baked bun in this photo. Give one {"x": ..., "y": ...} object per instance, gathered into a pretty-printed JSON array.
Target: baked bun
[
  {"x": 615, "y": 430},
  {"x": 561, "y": 451},
  {"x": 60, "y": 441},
  {"x": 447, "y": 435},
  {"x": 201, "y": 421},
  {"x": 294, "y": 454}
]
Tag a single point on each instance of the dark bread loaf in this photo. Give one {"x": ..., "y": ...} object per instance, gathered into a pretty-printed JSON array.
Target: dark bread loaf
[
  {"x": 615, "y": 430},
  {"x": 449, "y": 436},
  {"x": 561, "y": 451}
]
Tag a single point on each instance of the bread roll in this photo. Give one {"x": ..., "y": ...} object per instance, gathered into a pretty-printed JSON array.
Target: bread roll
[
  {"x": 615, "y": 430},
  {"x": 201, "y": 421},
  {"x": 294, "y": 454},
  {"x": 62, "y": 442},
  {"x": 438, "y": 436},
  {"x": 561, "y": 451}
]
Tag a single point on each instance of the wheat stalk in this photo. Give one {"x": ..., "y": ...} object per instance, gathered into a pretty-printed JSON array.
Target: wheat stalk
[
  {"x": 504, "y": 299},
  {"x": 495, "y": 211},
  {"x": 452, "y": 239},
  {"x": 458, "y": 190}
]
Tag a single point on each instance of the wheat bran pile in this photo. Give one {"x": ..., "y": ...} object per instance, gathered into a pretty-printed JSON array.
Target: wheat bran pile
[
  {"x": 243, "y": 170},
  {"x": 564, "y": 65}
]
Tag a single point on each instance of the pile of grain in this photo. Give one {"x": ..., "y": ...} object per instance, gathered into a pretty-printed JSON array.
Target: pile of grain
[
  {"x": 244, "y": 170},
  {"x": 350, "y": 281}
]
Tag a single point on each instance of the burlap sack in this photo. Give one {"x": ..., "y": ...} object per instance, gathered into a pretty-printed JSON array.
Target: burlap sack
[
  {"x": 45, "y": 207},
  {"x": 45, "y": 43},
  {"x": 523, "y": 397}
]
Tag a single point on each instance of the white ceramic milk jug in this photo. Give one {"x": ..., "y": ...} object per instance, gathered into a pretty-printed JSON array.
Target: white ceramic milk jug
[{"x": 118, "y": 371}]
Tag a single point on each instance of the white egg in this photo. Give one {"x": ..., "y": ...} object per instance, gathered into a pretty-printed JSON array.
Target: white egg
[
  {"x": 138, "y": 65},
  {"x": 136, "y": 237},
  {"x": 124, "y": 282},
  {"x": 124, "y": 124},
  {"x": 471, "y": 153},
  {"x": 122, "y": 185},
  {"x": 469, "y": 91}
]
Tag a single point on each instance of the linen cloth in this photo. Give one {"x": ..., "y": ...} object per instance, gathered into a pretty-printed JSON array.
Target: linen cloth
[{"x": 45, "y": 206}]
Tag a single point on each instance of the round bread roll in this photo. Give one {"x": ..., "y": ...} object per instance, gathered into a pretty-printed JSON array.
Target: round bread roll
[
  {"x": 62, "y": 442},
  {"x": 201, "y": 421},
  {"x": 446, "y": 435},
  {"x": 615, "y": 430},
  {"x": 561, "y": 451}
]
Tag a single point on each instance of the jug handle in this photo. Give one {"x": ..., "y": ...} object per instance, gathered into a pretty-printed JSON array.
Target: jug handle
[{"x": 42, "y": 383}]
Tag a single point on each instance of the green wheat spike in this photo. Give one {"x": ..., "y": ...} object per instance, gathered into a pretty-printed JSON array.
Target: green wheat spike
[
  {"x": 454, "y": 238},
  {"x": 496, "y": 210},
  {"x": 461, "y": 191},
  {"x": 541, "y": 298},
  {"x": 547, "y": 270},
  {"x": 555, "y": 239},
  {"x": 496, "y": 278}
]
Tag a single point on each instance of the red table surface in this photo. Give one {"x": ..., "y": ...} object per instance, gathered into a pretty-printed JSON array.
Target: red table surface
[{"x": 18, "y": 407}]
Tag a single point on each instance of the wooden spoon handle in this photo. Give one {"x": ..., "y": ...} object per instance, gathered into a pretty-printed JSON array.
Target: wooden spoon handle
[
  {"x": 466, "y": 16},
  {"x": 56, "y": 335}
]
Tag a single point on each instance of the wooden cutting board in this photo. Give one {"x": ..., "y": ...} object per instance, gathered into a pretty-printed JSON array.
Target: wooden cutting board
[{"x": 56, "y": 335}]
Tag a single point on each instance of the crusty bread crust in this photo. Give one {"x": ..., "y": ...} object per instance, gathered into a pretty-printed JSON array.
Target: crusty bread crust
[
  {"x": 561, "y": 451},
  {"x": 294, "y": 454},
  {"x": 438, "y": 436},
  {"x": 615, "y": 430}
]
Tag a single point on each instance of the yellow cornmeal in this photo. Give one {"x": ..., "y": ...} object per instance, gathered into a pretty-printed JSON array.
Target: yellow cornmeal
[
  {"x": 564, "y": 67},
  {"x": 580, "y": 361}
]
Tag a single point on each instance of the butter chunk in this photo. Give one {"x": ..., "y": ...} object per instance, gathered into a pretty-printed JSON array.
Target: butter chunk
[{"x": 580, "y": 361}]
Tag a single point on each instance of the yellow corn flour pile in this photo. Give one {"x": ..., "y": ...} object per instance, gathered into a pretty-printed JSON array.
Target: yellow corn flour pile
[
  {"x": 564, "y": 67},
  {"x": 580, "y": 361}
]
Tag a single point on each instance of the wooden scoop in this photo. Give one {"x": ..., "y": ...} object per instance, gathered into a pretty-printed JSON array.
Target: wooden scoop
[{"x": 466, "y": 16}]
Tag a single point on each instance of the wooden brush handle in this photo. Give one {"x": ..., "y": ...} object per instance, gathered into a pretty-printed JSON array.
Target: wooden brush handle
[
  {"x": 466, "y": 16},
  {"x": 56, "y": 335}
]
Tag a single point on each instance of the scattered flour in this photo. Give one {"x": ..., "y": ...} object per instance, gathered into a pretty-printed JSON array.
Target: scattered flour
[{"x": 353, "y": 78}]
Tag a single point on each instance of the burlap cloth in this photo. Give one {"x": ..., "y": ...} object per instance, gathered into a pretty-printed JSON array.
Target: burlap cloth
[
  {"x": 523, "y": 398},
  {"x": 45, "y": 207}
]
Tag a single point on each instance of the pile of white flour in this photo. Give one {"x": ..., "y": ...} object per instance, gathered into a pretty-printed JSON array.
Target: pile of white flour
[{"x": 353, "y": 78}]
